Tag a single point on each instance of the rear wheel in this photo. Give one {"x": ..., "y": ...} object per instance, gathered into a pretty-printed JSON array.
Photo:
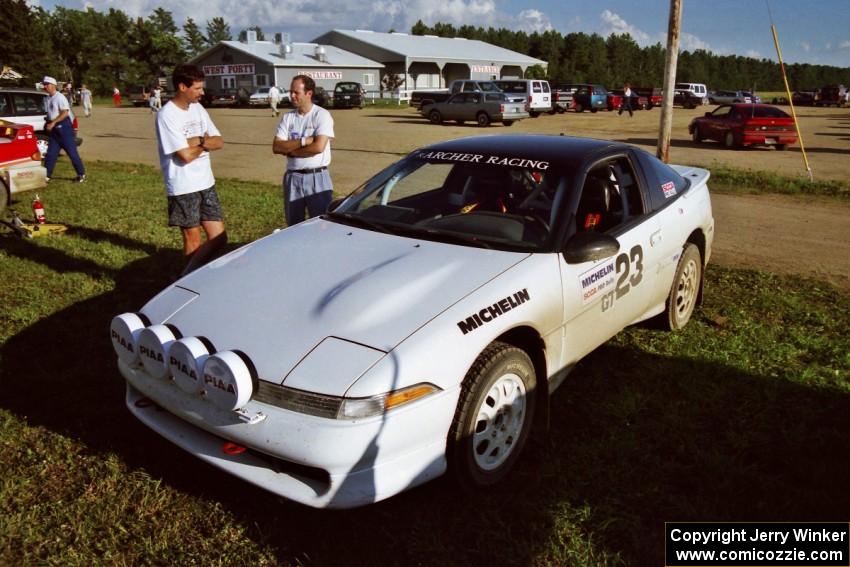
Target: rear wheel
[
  {"x": 483, "y": 119},
  {"x": 533, "y": 113},
  {"x": 493, "y": 416},
  {"x": 594, "y": 110},
  {"x": 435, "y": 117},
  {"x": 730, "y": 140},
  {"x": 685, "y": 291},
  {"x": 508, "y": 122},
  {"x": 579, "y": 107},
  {"x": 781, "y": 147}
]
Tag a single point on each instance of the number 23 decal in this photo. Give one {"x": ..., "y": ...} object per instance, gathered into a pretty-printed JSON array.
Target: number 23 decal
[{"x": 629, "y": 269}]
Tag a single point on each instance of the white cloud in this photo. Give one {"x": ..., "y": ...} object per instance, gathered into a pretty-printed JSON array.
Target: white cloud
[
  {"x": 806, "y": 46},
  {"x": 534, "y": 21},
  {"x": 690, "y": 42},
  {"x": 613, "y": 23},
  {"x": 844, "y": 44},
  {"x": 753, "y": 53}
]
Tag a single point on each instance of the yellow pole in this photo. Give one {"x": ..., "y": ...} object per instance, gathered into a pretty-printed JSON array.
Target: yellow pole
[{"x": 791, "y": 102}]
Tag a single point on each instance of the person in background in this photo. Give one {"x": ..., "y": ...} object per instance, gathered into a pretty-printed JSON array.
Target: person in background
[
  {"x": 304, "y": 136},
  {"x": 155, "y": 99},
  {"x": 116, "y": 95},
  {"x": 185, "y": 136},
  {"x": 274, "y": 99},
  {"x": 85, "y": 96},
  {"x": 627, "y": 100},
  {"x": 61, "y": 130}
]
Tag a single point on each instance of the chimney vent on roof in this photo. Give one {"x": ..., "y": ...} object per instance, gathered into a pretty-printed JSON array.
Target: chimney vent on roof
[
  {"x": 321, "y": 54},
  {"x": 251, "y": 36},
  {"x": 285, "y": 50}
]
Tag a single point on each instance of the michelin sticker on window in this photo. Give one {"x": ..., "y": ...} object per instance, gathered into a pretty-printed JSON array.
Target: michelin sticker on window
[
  {"x": 669, "y": 189},
  {"x": 596, "y": 279}
]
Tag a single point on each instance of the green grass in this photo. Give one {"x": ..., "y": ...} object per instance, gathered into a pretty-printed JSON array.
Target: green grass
[
  {"x": 744, "y": 181},
  {"x": 744, "y": 415}
]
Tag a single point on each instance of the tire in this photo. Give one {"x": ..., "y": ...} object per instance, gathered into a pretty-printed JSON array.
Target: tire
[
  {"x": 533, "y": 113},
  {"x": 493, "y": 416},
  {"x": 551, "y": 112},
  {"x": 483, "y": 119},
  {"x": 781, "y": 147},
  {"x": 560, "y": 110},
  {"x": 593, "y": 110},
  {"x": 730, "y": 141},
  {"x": 41, "y": 141},
  {"x": 686, "y": 289},
  {"x": 435, "y": 117},
  {"x": 5, "y": 199},
  {"x": 579, "y": 107},
  {"x": 696, "y": 136},
  {"x": 507, "y": 122}
]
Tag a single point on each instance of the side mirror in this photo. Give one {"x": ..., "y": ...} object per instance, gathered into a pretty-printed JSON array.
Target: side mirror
[
  {"x": 335, "y": 203},
  {"x": 589, "y": 246}
]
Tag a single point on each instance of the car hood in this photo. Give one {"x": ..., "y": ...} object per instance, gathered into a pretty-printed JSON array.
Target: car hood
[{"x": 279, "y": 297}]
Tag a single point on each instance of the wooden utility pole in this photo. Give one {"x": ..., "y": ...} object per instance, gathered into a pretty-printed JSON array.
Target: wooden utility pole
[{"x": 673, "y": 25}]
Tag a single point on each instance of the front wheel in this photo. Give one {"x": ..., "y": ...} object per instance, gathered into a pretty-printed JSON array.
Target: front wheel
[
  {"x": 696, "y": 136},
  {"x": 593, "y": 110},
  {"x": 685, "y": 291},
  {"x": 493, "y": 417},
  {"x": 579, "y": 107},
  {"x": 508, "y": 122},
  {"x": 483, "y": 119},
  {"x": 435, "y": 117}
]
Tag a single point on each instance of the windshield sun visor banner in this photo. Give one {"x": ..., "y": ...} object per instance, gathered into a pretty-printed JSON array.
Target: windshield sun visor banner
[{"x": 482, "y": 159}]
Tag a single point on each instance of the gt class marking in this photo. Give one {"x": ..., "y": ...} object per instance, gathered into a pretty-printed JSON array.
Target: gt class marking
[
  {"x": 491, "y": 312},
  {"x": 624, "y": 266}
]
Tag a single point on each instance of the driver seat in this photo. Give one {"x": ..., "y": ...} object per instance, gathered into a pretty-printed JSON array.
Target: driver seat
[{"x": 594, "y": 208}]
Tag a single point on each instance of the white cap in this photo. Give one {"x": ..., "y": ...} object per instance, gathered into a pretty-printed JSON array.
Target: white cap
[{"x": 48, "y": 80}]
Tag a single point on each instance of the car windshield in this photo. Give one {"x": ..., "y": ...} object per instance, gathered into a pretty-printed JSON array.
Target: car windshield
[{"x": 470, "y": 199}]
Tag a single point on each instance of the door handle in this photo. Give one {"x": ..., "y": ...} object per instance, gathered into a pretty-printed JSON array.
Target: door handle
[{"x": 655, "y": 238}]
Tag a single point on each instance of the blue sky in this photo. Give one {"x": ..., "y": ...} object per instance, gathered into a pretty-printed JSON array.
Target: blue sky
[{"x": 810, "y": 31}]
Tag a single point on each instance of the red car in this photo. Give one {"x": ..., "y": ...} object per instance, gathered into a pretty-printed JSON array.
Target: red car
[
  {"x": 737, "y": 125},
  {"x": 20, "y": 162},
  {"x": 653, "y": 95},
  {"x": 614, "y": 101}
]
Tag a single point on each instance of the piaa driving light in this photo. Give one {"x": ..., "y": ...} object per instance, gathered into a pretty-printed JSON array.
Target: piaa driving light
[{"x": 227, "y": 380}]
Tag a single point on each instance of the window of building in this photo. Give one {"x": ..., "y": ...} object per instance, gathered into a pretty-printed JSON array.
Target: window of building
[
  {"x": 368, "y": 80},
  {"x": 262, "y": 80},
  {"x": 228, "y": 82}
]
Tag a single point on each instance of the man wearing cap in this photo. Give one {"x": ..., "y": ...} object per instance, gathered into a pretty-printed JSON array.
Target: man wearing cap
[
  {"x": 61, "y": 130},
  {"x": 304, "y": 137},
  {"x": 186, "y": 135}
]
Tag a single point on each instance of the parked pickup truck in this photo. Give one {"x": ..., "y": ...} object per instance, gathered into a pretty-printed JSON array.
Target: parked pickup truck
[
  {"x": 480, "y": 107},
  {"x": 419, "y": 98}
]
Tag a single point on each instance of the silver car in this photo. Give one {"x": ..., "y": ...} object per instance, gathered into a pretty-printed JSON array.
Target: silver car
[
  {"x": 729, "y": 97},
  {"x": 482, "y": 108}
]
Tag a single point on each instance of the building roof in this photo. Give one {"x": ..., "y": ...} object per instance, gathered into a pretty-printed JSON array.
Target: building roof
[
  {"x": 431, "y": 47},
  {"x": 303, "y": 55}
]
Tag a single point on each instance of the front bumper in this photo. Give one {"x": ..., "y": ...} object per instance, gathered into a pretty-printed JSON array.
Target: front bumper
[{"x": 323, "y": 463}]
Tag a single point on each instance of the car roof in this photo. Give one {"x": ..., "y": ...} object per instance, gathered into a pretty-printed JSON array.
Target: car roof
[
  {"x": 22, "y": 90},
  {"x": 562, "y": 150}
]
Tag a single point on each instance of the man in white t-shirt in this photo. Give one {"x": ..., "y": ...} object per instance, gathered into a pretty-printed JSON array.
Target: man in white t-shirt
[
  {"x": 274, "y": 99},
  {"x": 304, "y": 137},
  {"x": 60, "y": 125},
  {"x": 185, "y": 136}
]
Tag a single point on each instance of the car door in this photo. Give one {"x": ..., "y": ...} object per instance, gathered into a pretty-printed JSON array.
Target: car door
[
  {"x": 604, "y": 296},
  {"x": 717, "y": 123},
  {"x": 455, "y": 106}
]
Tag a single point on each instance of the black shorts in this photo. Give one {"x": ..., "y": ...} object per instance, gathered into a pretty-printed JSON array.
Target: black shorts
[{"x": 187, "y": 211}]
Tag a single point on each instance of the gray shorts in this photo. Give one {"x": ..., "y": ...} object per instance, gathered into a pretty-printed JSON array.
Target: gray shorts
[{"x": 187, "y": 211}]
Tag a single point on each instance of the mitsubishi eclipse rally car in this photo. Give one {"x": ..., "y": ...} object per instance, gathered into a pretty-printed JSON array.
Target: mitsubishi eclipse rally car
[{"x": 416, "y": 327}]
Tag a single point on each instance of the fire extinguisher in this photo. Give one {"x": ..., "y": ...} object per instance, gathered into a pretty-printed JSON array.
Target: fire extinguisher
[{"x": 38, "y": 210}]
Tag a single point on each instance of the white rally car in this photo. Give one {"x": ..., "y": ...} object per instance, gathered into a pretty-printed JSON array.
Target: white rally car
[{"x": 419, "y": 326}]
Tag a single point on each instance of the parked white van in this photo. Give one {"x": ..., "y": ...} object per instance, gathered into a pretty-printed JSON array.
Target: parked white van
[
  {"x": 537, "y": 93},
  {"x": 698, "y": 89}
]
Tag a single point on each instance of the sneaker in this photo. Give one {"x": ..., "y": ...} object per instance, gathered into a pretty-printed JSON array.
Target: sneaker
[
  {"x": 80, "y": 178},
  {"x": 47, "y": 180}
]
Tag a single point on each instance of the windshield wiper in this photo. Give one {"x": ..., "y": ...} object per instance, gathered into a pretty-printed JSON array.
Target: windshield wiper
[
  {"x": 357, "y": 220},
  {"x": 456, "y": 237}
]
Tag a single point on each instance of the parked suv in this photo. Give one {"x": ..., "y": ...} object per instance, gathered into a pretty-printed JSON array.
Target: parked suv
[
  {"x": 537, "y": 93},
  {"x": 348, "y": 94},
  {"x": 27, "y": 106},
  {"x": 728, "y": 97},
  {"x": 832, "y": 94},
  {"x": 586, "y": 96},
  {"x": 697, "y": 89}
]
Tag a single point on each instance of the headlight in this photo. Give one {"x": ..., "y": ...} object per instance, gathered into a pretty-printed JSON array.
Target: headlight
[{"x": 337, "y": 407}]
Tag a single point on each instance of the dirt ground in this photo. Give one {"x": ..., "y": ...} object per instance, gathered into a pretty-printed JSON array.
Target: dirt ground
[{"x": 789, "y": 235}]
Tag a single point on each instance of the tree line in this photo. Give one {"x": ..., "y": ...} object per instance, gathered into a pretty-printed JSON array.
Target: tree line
[
  {"x": 109, "y": 48},
  {"x": 612, "y": 61}
]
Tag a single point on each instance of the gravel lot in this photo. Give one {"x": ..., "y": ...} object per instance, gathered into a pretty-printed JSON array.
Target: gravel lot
[{"x": 770, "y": 232}]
